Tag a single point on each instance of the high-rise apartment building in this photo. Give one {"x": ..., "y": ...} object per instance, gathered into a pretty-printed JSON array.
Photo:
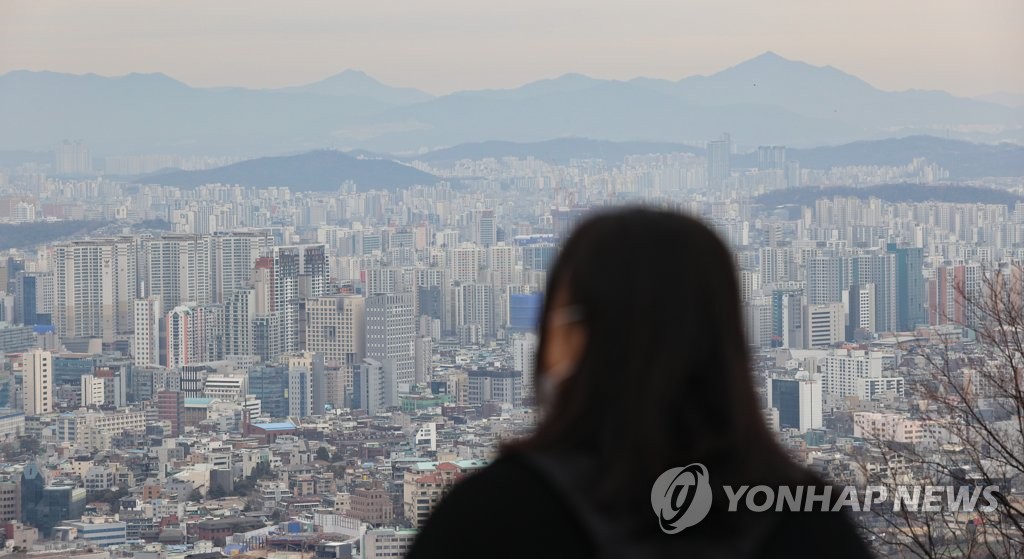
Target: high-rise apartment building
[
  {"x": 191, "y": 335},
  {"x": 473, "y": 309},
  {"x": 291, "y": 273},
  {"x": 771, "y": 158},
  {"x": 878, "y": 268},
  {"x": 465, "y": 263},
  {"x": 73, "y": 158},
  {"x": 501, "y": 265},
  {"x": 950, "y": 292},
  {"x": 719, "y": 153},
  {"x": 178, "y": 269},
  {"x": 237, "y": 322},
  {"x": 234, "y": 255},
  {"x": 827, "y": 278},
  {"x": 841, "y": 369},
  {"x": 94, "y": 287}
]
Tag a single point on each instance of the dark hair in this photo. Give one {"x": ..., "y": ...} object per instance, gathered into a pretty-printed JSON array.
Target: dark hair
[{"x": 665, "y": 378}]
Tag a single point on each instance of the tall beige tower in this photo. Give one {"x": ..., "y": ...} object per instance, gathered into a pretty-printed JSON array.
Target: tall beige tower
[{"x": 37, "y": 380}]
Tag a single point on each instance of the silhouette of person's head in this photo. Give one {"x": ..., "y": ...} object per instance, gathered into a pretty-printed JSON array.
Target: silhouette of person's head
[{"x": 642, "y": 359}]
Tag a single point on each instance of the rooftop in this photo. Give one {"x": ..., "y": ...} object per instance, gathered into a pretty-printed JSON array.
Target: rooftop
[{"x": 279, "y": 426}]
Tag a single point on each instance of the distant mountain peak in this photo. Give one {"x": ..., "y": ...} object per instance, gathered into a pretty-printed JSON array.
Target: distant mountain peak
[
  {"x": 352, "y": 75},
  {"x": 357, "y": 83},
  {"x": 770, "y": 59},
  {"x": 573, "y": 76},
  {"x": 770, "y": 55}
]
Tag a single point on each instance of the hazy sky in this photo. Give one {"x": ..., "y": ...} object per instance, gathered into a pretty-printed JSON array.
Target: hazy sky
[{"x": 967, "y": 47}]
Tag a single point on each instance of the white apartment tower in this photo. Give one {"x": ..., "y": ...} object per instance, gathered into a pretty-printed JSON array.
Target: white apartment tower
[
  {"x": 501, "y": 262},
  {"x": 94, "y": 288},
  {"x": 465, "y": 263},
  {"x": 234, "y": 255},
  {"x": 842, "y": 369},
  {"x": 178, "y": 269}
]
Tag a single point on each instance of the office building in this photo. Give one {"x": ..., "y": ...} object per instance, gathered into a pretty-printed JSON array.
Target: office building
[
  {"x": 390, "y": 334},
  {"x": 495, "y": 386},
  {"x": 373, "y": 387},
  {"x": 33, "y": 298},
  {"x": 335, "y": 328},
  {"x": 485, "y": 232},
  {"x": 269, "y": 384},
  {"x": 170, "y": 407},
  {"x": 37, "y": 382},
  {"x": 92, "y": 391},
  {"x": 910, "y": 287},
  {"x": 100, "y": 530},
  {"x": 798, "y": 399},
  {"x": 860, "y": 318},
  {"x": 823, "y": 325}
]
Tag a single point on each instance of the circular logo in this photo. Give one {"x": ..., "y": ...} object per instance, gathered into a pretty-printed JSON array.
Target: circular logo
[{"x": 681, "y": 497}]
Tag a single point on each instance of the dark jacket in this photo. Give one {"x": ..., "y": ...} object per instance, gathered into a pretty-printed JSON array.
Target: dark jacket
[{"x": 512, "y": 509}]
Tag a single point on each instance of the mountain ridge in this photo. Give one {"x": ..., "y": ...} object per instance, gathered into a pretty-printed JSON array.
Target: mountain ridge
[
  {"x": 765, "y": 99},
  {"x": 314, "y": 171}
]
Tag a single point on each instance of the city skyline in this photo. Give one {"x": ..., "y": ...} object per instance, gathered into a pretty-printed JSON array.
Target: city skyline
[
  {"x": 914, "y": 45},
  {"x": 253, "y": 304}
]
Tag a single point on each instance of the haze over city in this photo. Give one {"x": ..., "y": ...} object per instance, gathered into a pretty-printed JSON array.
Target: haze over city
[
  {"x": 282, "y": 280},
  {"x": 968, "y": 49}
]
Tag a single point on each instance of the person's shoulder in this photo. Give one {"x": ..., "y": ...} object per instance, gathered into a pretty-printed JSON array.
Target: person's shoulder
[
  {"x": 506, "y": 478},
  {"x": 481, "y": 507},
  {"x": 800, "y": 534}
]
